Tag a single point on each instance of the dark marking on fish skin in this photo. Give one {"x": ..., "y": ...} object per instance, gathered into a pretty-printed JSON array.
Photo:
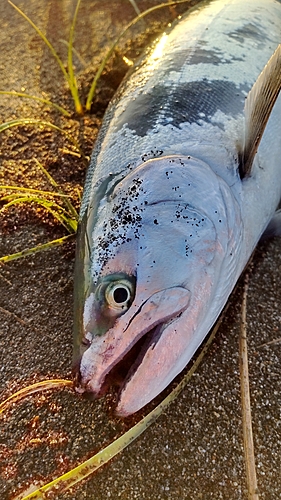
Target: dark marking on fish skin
[
  {"x": 115, "y": 230},
  {"x": 152, "y": 154},
  {"x": 251, "y": 31},
  {"x": 199, "y": 56},
  {"x": 192, "y": 102}
]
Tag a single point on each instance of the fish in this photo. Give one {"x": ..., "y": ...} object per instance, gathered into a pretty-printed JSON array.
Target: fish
[{"x": 184, "y": 180}]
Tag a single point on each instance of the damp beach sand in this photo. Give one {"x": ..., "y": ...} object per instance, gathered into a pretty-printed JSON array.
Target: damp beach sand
[{"x": 195, "y": 449}]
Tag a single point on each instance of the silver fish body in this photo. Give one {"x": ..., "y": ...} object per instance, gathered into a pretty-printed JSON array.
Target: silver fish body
[{"x": 168, "y": 222}]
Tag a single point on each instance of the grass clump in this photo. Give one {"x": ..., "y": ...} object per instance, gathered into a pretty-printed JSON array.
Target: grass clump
[
  {"x": 68, "y": 73},
  {"x": 56, "y": 203}
]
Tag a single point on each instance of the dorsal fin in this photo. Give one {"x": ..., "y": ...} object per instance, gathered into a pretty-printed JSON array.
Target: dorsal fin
[{"x": 258, "y": 106}]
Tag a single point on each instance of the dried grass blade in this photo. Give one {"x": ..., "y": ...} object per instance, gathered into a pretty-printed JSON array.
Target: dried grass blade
[
  {"x": 31, "y": 389},
  {"x": 133, "y": 3},
  {"x": 251, "y": 476}
]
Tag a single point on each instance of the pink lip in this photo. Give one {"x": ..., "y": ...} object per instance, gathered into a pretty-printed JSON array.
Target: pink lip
[{"x": 107, "y": 351}]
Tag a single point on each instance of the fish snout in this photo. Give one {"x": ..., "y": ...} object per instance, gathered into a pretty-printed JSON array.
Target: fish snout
[
  {"x": 113, "y": 357},
  {"x": 83, "y": 386}
]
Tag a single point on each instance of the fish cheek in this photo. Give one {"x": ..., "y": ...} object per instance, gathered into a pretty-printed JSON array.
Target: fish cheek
[{"x": 98, "y": 318}]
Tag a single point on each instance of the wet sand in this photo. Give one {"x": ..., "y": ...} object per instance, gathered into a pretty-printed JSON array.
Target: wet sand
[{"x": 195, "y": 449}]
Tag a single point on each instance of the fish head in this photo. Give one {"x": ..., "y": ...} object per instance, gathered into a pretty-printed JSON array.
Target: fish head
[{"x": 155, "y": 255}]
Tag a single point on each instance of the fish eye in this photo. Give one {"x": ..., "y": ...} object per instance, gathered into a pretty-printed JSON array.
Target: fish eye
[{"x": 119, "y": 295}]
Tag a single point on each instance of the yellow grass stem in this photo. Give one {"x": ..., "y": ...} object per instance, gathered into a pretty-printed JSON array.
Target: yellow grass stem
[
  {"x": 41, "y": 123},
  {"x": 31, "y": 191},
  {"x": 72, "y": 79},
  {"x": 38, "y": 248},
  {"x": 44, "y": 38},
  {"x": 44, "y": 385},
  {"x": 35, "y": 98}
]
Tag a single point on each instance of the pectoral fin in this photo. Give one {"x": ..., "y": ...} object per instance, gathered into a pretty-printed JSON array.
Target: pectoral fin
[{"x": 258, "y": 107}]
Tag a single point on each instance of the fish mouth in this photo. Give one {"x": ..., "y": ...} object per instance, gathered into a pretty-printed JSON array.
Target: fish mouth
[
  {"x": 120, "y": 374},
  {"x": 116, "y": 359}
]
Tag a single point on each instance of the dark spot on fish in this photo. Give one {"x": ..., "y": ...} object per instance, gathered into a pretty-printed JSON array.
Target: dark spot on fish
[
  {"x": 190, "y": 102},
  {"x": 152, "y": 154},
  {"x": 201, "y": 55},
  {"x": 156, "y": 221},
  {"x": 251, "y": 31}
]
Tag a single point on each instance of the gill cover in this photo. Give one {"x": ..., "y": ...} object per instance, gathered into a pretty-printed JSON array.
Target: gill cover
[{"x": 159, "y": 266}]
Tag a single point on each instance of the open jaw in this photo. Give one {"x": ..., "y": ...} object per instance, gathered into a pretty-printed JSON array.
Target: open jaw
[
  {"x": 133, "y": 354},
  {"x": 121, "y": 373}
]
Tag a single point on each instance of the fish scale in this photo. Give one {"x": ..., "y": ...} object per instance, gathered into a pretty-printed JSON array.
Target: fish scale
[
  {"x": 173, "y": 67},
  {"x": 169, "y": 215}
]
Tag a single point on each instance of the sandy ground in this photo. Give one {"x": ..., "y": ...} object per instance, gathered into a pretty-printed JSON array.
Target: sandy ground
[{"x": 195, "y": 449}]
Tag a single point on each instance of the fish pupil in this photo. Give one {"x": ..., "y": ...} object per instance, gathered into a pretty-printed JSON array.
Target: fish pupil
[{"x": 120, "y": 295}]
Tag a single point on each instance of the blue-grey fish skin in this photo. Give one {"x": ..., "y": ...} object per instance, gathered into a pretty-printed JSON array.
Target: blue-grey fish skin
[
  {"x": 182, "y": 103},
  {"x": 196, "y": 79}
]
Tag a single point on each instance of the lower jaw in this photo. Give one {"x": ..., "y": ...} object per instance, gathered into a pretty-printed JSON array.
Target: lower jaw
[{"x": 119, "y": 376}]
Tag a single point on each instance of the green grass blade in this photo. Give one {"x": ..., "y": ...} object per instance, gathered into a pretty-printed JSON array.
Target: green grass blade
[
  {"x": 72, "y": 79},
  {"x": 113, "y": 46},
  {"x": 68, "y": 480},
  {"x": 15, "y": 200},
  {"x": 41, "y": 123},
  {"x": 35, "y": 98},
  {"x": 32, "y": 191},
  {"x": 44, "y": 38},
  {"x": 58, "y": 212},
  {"x": 38, "y": 248},
  {"x": 8, "y": 198},
  {"x": 71, "y": 209}
]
